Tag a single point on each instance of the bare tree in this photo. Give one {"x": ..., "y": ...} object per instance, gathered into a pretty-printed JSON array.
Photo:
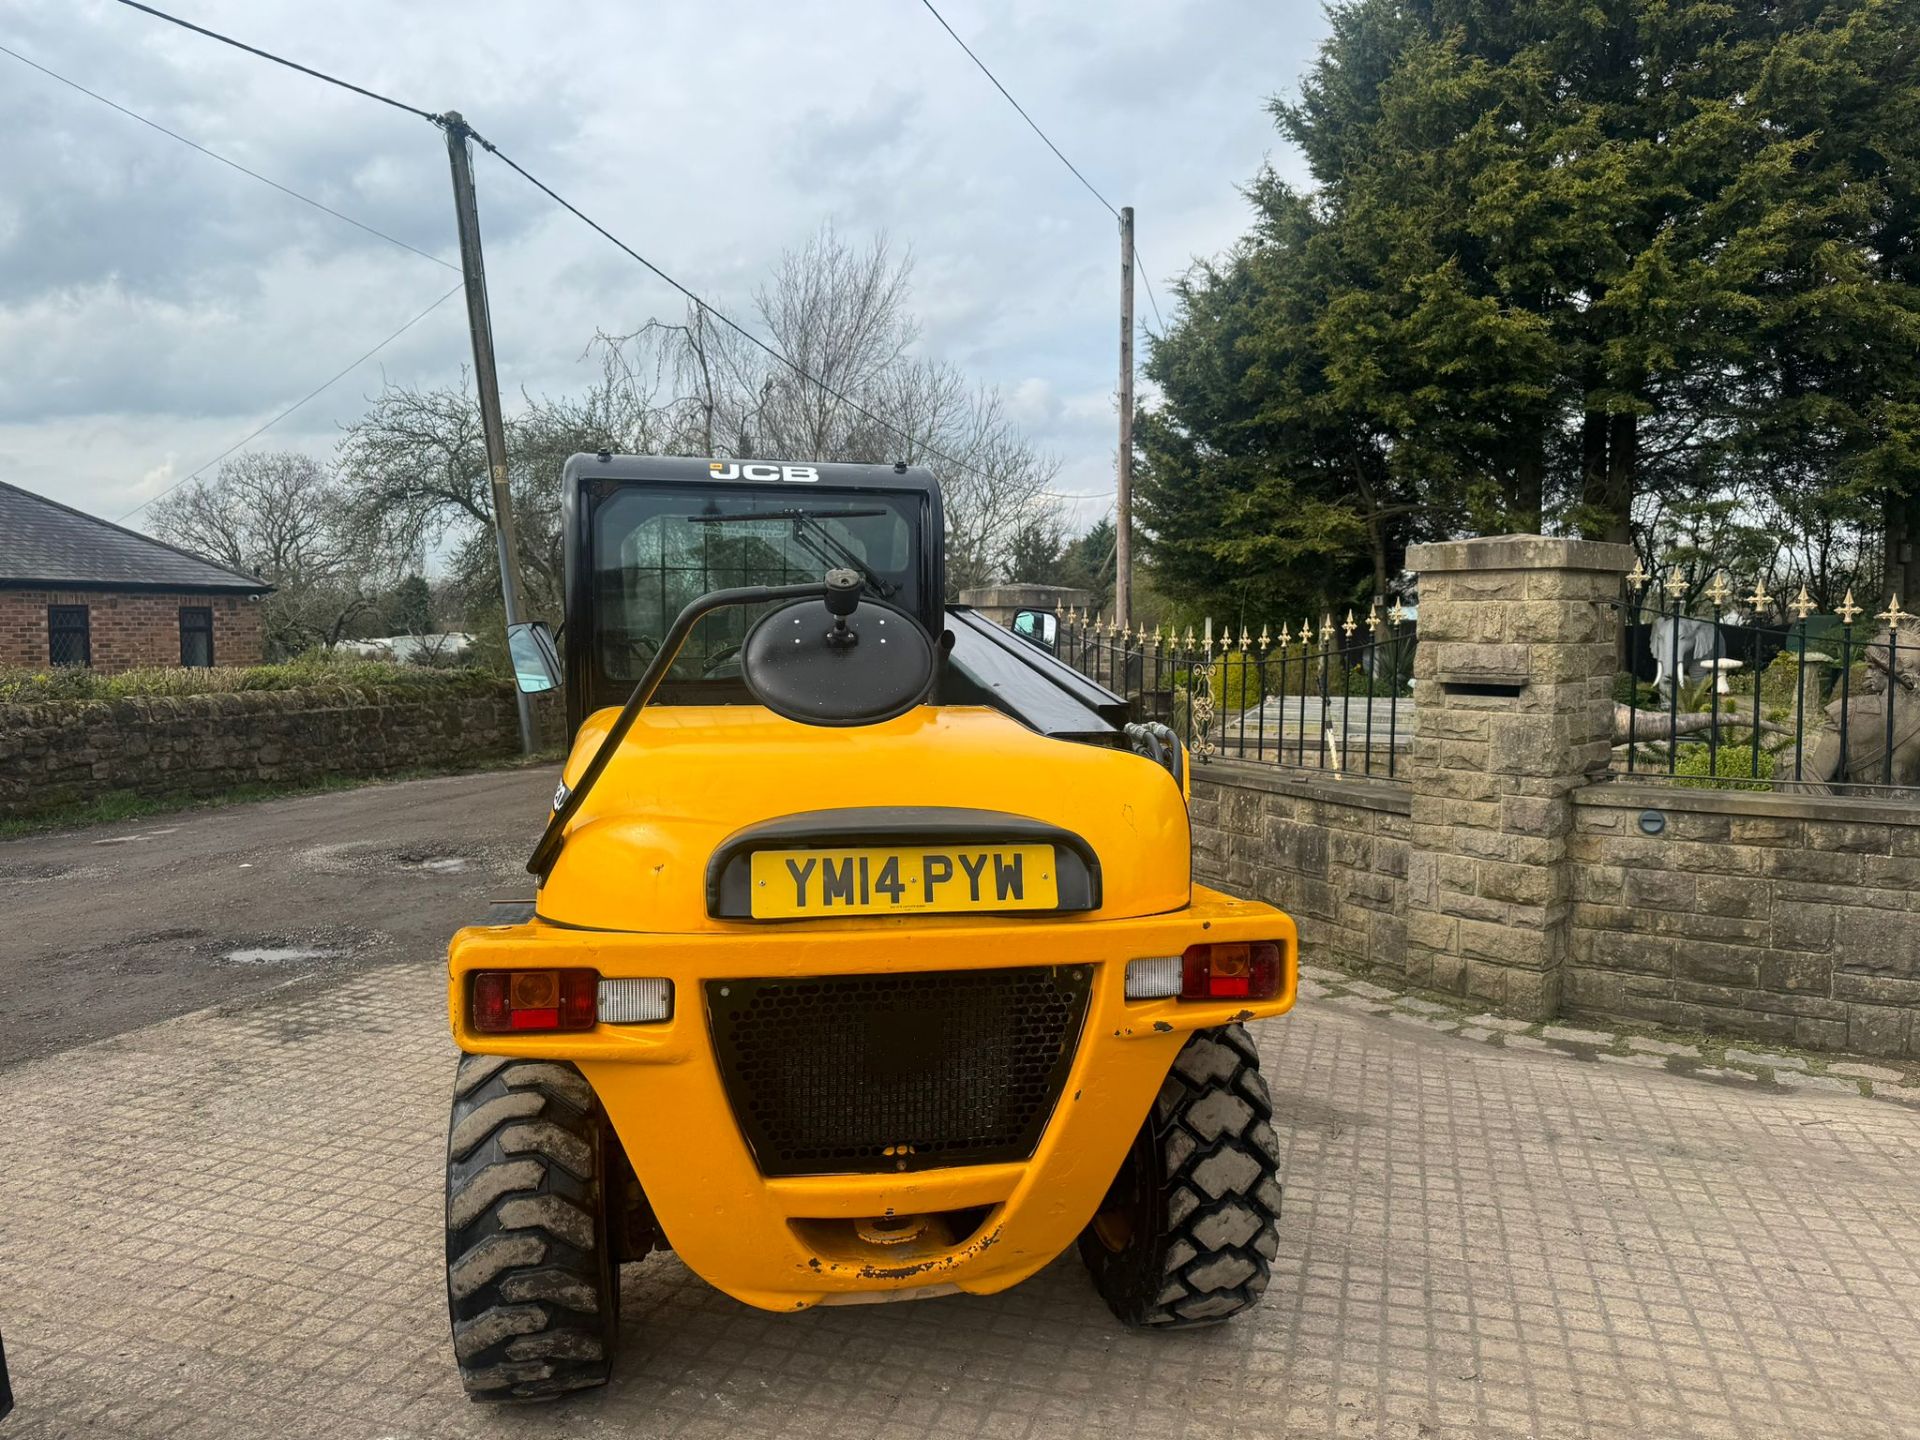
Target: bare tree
[
  {"x": 416, "y": 468},
  {"x": 416, "y": 463},
  {"x": 855, "y": 391},
  {"x": 282, "y": 516}
]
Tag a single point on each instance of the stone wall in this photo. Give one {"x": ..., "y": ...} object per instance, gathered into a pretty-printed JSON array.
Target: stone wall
[
  {"x": 1789, "y": 919},
  {"x": 128, "y": 629},
  {"x": 62, "y": 753},
  {"x": 1333, "y": 852},
  {"x": 999, "y": 603}
]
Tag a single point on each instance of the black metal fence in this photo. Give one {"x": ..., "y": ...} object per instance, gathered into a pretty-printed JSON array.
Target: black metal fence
[
  {"x": 1331, "y": 697},
  {"x": 1718, "y": 690},
  {"x": 1755, "y": 694}
]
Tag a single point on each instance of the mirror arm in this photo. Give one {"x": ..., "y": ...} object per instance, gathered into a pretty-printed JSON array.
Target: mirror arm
[{"x": 548, "y": 850}]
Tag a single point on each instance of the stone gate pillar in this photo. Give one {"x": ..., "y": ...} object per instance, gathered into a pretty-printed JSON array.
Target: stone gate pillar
[{"x": 1514, "y": 671}]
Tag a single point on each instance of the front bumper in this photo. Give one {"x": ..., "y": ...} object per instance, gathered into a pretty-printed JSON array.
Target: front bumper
[{"x": 790, "y": 1243}]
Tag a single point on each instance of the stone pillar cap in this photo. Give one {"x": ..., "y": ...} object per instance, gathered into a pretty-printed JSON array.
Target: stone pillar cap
[{"x": 1519, "y": 552}]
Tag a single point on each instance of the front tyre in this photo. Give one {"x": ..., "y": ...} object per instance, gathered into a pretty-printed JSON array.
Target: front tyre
[
  {"x": 1187, "y": 1233},
  {"x": 531, "y": 1279}
]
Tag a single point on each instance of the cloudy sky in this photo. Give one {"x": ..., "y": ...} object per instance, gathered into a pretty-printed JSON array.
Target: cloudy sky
[{"x": 155, "y": 306}]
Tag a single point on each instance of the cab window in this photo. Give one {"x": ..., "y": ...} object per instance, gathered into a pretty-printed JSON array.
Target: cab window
[{"x": 655, "y": 549}]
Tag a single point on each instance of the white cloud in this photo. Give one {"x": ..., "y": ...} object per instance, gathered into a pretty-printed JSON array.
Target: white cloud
[{"x": 155, "y": 305}]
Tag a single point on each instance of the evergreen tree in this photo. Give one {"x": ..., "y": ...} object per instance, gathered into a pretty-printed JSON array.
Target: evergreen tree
[
  {"x": 409, "y": 607},
  {"x": 1561, "y": 254}
]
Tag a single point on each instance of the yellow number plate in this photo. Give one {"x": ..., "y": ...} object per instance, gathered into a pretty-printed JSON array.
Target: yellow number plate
[{"x": 809, "y": 884}]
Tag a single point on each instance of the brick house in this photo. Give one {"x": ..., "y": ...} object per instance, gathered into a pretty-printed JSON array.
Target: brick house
[{"x": 78, "y": 590}]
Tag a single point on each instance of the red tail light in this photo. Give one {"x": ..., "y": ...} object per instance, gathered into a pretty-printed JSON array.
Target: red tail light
[
  {"x": 1242, "y": 970},
  {"x": 509, "y": 1000}
]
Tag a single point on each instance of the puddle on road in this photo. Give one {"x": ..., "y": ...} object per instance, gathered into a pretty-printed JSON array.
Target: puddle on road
[
  {"x": 424, "y": 857},
  {"x": 291, "y": 950},
  {"x": 142, "y": 835},
  {"x": 269, "y": 955}
]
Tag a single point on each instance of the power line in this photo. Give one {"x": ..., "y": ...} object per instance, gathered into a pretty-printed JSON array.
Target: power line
[
  {"x": 1032, "y": 124},
  {"x": 565, "y": 204},
  {"x": 311, "y": 394},
  {"x": 1047, "y": 140},
  {"x": 717, "y": 314},
  {"x": 232, "y": 164},
  {"x": 282, "y": 60}
]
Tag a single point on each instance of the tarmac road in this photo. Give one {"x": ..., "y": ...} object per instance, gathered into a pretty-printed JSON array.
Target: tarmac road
[{"x": 117, "y": 927}]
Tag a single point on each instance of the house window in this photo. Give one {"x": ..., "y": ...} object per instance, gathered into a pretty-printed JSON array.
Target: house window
[
  {"x": 69, "y": 637},
  {"x": 196, "y": 635}
]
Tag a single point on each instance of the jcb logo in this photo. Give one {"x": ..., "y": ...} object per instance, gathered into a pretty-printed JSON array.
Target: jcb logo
[{"x": 734, "y": 470}]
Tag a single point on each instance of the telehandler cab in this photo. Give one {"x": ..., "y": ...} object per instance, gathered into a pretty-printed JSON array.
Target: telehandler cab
[{"x": 866, "y": 961}]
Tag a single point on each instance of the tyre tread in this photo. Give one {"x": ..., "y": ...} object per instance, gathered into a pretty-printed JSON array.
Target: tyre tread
[
  {"x": 531, "y": 1286},
  {"x": 1219, "y": 1183}
]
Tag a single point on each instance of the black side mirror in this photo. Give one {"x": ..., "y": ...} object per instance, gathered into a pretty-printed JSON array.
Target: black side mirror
[
  {"x": 536, "y": 663},
  {"x": 1042, "y": 627}
]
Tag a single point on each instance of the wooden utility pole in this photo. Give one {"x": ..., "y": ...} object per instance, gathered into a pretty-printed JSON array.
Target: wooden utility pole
[
  {"x": 480, "y": 324},
  {"x": 1123, "y": 506}
]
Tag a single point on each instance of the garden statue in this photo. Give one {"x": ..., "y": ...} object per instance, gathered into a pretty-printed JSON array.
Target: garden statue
[{"x": 1867, "y": 709}]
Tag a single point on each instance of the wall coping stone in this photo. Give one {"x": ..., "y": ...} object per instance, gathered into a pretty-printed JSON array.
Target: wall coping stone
[
  {"x": 1363, "y": 792},
  {"x": 1021, "y": 594},
  {"x": 1519, "y": 552},
  {"x": 1627, "y": 795}
]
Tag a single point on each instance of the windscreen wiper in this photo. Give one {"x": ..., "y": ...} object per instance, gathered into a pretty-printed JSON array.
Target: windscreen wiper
[{"x": 824, "y": 544}]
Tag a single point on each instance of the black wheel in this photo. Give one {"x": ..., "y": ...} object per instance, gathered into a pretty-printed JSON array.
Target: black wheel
[
  {"x": 1189, "y": 1228},
  {"x": 532, "y": 1281}
]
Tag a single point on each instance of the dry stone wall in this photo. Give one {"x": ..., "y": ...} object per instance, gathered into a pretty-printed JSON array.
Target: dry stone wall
[{"x": 61, "y": 753}]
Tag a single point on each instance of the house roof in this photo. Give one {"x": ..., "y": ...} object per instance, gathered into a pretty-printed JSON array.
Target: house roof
[{"x": 43, "y": 542}]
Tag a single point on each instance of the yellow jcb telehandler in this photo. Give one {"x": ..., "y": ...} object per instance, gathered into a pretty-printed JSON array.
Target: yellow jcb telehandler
[{"x": 866, "y": 961}]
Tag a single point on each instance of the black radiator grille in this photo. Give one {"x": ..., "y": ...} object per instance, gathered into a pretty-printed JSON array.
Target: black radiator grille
[{"x": 847, "y": 1073}]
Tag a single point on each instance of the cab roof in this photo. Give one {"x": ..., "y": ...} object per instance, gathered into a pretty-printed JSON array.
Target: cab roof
[{"x": 684, "y": 468}]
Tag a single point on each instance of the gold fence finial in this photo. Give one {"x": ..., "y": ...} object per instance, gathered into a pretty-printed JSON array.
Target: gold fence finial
[
  {"x": 1398, "y": 614},
  {"x": 1347, "y": 626},
  {"x": 1676, "y": 583},
  {"x": 1803, "y": 605},
  {"x": 1374, "y": 618},
  {"x": 1893, "y": 614},
  {"x": 1719, "y": 592},
  {"x": 1847, "y": 610},
  {"x": 1266, "y": 640},
  {"x": 1286, "y": 635},
  {"x": 1760, "y": 600},
  {"x": 1326, "y": 628},
  {"x": 1637, "y": 577},
  {"x": 1189, "y": 640}
]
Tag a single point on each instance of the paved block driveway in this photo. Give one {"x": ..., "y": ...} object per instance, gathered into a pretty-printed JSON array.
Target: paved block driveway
[{"x": 227, "y": 1224}]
